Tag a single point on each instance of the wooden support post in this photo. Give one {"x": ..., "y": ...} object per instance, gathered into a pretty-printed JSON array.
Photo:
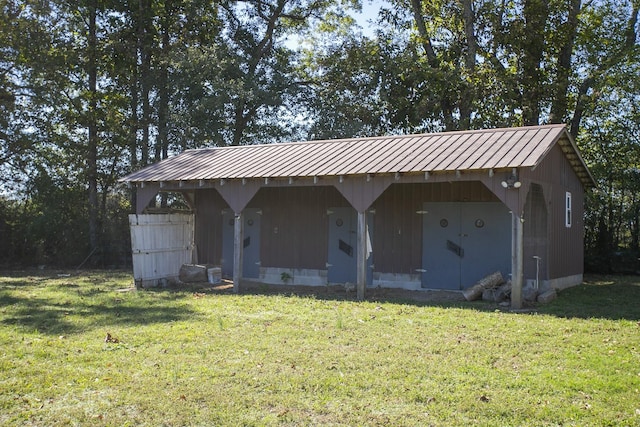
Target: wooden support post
[
  {"x": 361, "y": 252},
  {"x": 517, "y": 249},
  {"x": 237, "y": 251}
]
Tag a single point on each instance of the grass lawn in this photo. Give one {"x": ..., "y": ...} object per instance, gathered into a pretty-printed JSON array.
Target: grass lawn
[{"x": 203, "y": 357}]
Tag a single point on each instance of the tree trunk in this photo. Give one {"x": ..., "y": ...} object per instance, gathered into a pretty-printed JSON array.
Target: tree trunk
[
  {"x": 145, "y": 40},
  {"x": 467, "y": 98},
  {"x": 536, "y": 13},
  {"x": 561, "y": 86},
  {"x": 446, "y": 105},
  {"x": 162, "y": 144},
  {"x": 92, "y": 148}
]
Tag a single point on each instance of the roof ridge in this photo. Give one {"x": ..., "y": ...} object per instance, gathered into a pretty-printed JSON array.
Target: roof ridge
[{"x": 378, "y": 137}]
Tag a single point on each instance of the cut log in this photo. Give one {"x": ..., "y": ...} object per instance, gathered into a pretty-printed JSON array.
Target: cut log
[
  {"x": 489, "y": 295},
  {"x": 190, "y": 273},
  {"x": 491, "y": 281},
  {"x": 547, "y": 296},
  {"x": 503, "y": 292}
]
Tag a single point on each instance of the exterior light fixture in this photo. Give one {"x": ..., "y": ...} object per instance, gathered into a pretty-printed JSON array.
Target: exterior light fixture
[{"x": 512, "y": 181}]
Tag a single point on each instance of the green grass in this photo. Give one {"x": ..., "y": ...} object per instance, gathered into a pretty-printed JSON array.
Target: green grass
[{"x": 199, "y": 357}]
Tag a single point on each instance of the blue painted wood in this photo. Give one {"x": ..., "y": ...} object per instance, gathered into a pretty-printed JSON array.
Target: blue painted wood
[
  {"x": 464, "y": 242},
  {"x": 342, "y": 245},
  {"x": 251, "y": 243}
]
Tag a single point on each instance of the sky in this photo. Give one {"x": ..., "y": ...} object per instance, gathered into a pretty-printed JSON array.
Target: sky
[{"x": 370, "y": 9}]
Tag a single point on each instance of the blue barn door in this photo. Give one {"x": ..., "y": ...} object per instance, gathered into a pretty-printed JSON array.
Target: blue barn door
[
  {"x": 341, "y": 259},
  {"x": 251, "y": 243},
  {"x": 343, "y": 235},
  {"x": 464, "y": 242}
]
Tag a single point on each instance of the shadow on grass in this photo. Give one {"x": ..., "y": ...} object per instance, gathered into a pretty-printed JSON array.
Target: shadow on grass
[
  {"x": 606, "y": 297},
  {"x": 68, "y": 317}
]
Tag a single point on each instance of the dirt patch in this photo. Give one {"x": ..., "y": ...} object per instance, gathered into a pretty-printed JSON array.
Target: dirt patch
[{"x": 339, "y": 292}]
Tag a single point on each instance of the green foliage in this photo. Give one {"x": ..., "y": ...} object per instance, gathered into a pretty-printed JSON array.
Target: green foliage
[
  {"x": 92, "y": 90},
  {"x": 212, "y": 357}
]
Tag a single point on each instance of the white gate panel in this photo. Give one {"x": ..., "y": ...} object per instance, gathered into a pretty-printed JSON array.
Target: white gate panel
[{"x": 160, "y": 244}]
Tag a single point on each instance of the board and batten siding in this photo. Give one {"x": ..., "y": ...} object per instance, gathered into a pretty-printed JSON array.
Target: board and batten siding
[
  {"x": 160, "y": 245},
  {"x": 295, "y": 225},
  {"x": 398, "y": 223},
  {"x": 208, "y": 226},
  {"x": 565, "y": 254}
]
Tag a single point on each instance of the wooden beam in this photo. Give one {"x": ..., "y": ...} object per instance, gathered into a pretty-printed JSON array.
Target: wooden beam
[
  {"x": 362, "y": 254},
  {"x": 144, "y": 195},
  {"x": 237, "y": 251},
  {"x": 517, "y": 264}
]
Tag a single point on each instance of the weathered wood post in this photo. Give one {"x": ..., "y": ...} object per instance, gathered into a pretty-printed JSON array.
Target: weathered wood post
[
  {"x": 517, "y": 264},
  {"x": 361, "y": 253},
  {"x": 237, "y": 251}
]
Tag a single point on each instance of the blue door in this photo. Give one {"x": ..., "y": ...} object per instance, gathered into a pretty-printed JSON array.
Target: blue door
[
  {"x": 341, "y": 259},
  {"x": 251, "y": 243},
  {"x": 343, "y": 245},
  {"x": 464, "y": 242}
]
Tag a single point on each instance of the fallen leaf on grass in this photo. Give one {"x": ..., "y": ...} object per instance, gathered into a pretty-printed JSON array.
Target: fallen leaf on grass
[{"x": 111, "y": 339}]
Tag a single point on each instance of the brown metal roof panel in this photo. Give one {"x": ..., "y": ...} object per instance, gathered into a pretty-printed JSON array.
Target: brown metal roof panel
[
  {"x": 528, "y": 150},
  {"x": 316, "y": 159},
  {"x": 198, "y": 169},
  {"x": 417, "y": 146},
  {"x": 537, "y": 143},
  {"x": 307, "y": 155},
  {"x": 344, "y": 160},
  {"x": 370, "y": 156},
  {"x": 350, "y": 160},
  {"x": 218, "y": 163},
  {"x": 365, "y": 155},
  {"x": 488, "y": 158},
  {"x": 517, "y": 143},
  {"x": 433, "y": 145},
  {"x": 481, "y": 142},
  {"x": 323, "y": 159},
  {"x": 440, "y": 160},
  {"x": 424, "y": 148},
  {"x": 307, "y": 158},
  {"x": 498, "y": 156},
  {"x": 167, "y": 169},
  {"x": 381, "y": 157},
  {"x": 542, "y": 149},
  {"x": 256, "y": 160},
  {"x": 278, "y": 162},
  {"x": 396, "y": 155},
  {"x": 459, "y": 152}
]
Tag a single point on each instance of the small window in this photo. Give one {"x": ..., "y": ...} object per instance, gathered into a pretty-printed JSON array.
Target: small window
[{"x": 567, "y": 216}]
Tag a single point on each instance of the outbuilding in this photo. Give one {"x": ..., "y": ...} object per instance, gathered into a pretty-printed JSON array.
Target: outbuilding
[{"x": 428, "y": 211}]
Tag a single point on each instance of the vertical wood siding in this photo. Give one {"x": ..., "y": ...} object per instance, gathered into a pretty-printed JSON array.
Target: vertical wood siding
[
  {"x": 208, "y": 226},
  {"x": 536, "y": 238},
  {"x": 397, "y": 231},
  {"x": 294, "y": 225},
  {"x": 566, "y": 245}
]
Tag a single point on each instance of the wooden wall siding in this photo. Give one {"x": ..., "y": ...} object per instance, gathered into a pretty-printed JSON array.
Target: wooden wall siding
[
  {"x": 208, "y": 226},
  {"x": 397, "y": 228},
  {"x": 536, "y": 234},
  {"x": 565, "y": 252},
  {"x": 295, "y": 224}
]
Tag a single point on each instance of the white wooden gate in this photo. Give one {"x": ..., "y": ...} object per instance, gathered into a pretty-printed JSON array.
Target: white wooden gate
[{"x": 160, "y": 244}]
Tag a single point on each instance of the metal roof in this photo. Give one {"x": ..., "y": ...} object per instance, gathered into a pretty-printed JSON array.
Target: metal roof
[{"x": 406, "y": 154}]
